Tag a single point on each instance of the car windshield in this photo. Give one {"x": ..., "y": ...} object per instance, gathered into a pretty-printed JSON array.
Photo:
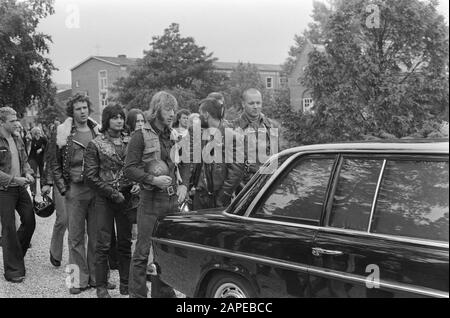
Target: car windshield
[{"x": 248, "y": 193}]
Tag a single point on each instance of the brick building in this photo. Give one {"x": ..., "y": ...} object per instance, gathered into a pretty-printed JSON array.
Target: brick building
[
  {"x": 271, "y": 75},
  {"x": 300, "y": 96},
  {"x": 96, "y": 75}
]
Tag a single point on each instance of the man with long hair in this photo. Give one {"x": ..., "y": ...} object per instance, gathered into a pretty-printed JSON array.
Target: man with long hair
[{"x": 161, "y": 192}]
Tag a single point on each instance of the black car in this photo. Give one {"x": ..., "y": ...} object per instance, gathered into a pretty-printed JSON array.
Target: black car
[{"x": 343, "y": 220}]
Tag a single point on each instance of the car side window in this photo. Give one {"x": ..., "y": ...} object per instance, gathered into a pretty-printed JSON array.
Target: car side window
[
  {"x": 354, "y": 194},
  {"x": 299, "y": 195},
  {"x": 245, "y": 197},
  {"x": 413, "y": 200}
]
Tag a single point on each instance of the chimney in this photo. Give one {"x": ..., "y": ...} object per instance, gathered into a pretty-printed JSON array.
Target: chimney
[{"x": 122, "y": 55}]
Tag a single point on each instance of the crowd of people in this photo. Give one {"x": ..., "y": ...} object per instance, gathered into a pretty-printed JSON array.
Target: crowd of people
[{"x": 112, "y": 181}]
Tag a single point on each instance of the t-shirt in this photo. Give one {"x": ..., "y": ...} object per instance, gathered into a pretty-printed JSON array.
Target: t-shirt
[
  {"x": 76, "y": 167},
  {"x": 15, "y": 160}
]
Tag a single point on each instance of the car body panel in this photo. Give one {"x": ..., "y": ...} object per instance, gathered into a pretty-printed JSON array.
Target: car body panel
[{"x": 261, "y": 252}]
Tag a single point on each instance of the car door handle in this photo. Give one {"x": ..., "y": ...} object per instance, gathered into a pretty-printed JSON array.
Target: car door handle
[{"x": 316, "y": 251}]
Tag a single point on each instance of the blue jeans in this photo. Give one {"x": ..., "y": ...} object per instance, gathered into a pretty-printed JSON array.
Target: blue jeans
[
  {"x": 15, "y": 244},
  {"x": 151, "y": 205}
]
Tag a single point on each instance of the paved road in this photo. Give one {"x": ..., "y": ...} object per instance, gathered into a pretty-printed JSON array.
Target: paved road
[{"x": 43, "y": 280}]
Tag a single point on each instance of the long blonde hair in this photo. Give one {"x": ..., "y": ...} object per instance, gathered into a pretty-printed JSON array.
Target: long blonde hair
[{"x": 159, "y": 100}]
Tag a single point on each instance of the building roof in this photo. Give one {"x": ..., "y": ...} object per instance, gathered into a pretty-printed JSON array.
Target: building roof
[
  {"x": 64, "y": 95},
  {"x": 121, "y": 60},
  {"x": 261, "y": 67}
]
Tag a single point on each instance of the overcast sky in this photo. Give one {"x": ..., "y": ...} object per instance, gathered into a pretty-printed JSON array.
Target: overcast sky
[{"x": 257, "y": 31}]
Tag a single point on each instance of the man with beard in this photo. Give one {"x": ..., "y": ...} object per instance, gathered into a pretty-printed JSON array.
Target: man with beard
[
  {"x": 160, "y": 194},
  {"x": 215, "y": 178}
]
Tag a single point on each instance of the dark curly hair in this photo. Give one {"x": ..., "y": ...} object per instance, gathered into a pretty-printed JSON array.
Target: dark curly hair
[
  {"x": 78, "y": 97},
  {"x": 180, "y": 113},
  {"x": 109, "y": 112}
]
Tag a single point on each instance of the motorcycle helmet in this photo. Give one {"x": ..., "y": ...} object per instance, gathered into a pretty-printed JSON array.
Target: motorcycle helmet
[
  {"x": 44, "y": 208},
  {"x": 157, "y": 168}
]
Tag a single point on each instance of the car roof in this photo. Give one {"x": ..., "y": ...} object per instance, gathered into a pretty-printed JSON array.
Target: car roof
[{"x": 439, "y": 146}]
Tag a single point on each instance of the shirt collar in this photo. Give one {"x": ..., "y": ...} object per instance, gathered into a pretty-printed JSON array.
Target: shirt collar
[{"x": 164, "y": 132}]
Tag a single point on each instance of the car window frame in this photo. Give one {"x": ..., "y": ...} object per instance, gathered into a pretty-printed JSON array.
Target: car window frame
[
  {"x": 385, "y": 157},
  {"x": 403, "y": 158},
  {"x": 288, "y": 169},
  {"x": 387, "y": 153},
  {"x": 263, "y": 192},
  {"x": 231, "y": 209},
  {"x": 329, "y": 204}
]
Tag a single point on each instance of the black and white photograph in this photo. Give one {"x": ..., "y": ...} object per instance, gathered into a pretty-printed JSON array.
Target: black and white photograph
[{"x": 209, "y": 149}]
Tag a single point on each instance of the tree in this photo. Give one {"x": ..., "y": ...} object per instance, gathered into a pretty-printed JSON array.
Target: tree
[
  {"x": 242, "y": 77},
  {"x": 25, "y": 74},
  {"x": 173, "y": 63},
  {"x": 384, "y": 73},
  {"x": 50, "y": 110}
]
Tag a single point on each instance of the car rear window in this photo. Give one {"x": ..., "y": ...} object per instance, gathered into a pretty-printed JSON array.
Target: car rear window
[
  {"x": 413, "y": 200},
  {"x": 355, "y": 191}
]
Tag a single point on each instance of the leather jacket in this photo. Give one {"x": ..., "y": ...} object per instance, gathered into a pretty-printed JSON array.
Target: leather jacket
[
  {"x": 244, "y": 125},
  {"x": 104, "y": 166},
  {"x": 5, "y": 160},
  {"x": 218, "y": 179},
  {"x": 62, "y": 149}
]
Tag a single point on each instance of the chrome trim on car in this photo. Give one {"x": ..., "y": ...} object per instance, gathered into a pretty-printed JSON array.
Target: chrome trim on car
[
  {"x": 265, "y": 260},
  {"x": 375, "y": 196},
  {"x": 396, "y": 286},
  {"x": 389, "y": 237},
  {"x": 309, "y": 269},
  {"x": 344, "y": 231},
  {"x": 311, "y": 227}
]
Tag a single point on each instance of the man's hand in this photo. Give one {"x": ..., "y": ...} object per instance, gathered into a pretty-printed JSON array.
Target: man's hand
[
  {"x": 30, "y": 178},
  {"x": 135, "y": 189},
  {"x": 162, "y": 181},
  {"x": 39, "y": 151},
  {"x": 46, "y": 189},
  {"x": 21, "y": 181},
  {"x": 181, "y": 192}
]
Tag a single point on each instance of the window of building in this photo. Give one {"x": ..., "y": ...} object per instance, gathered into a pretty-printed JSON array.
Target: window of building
[
  {"x": 299, "y": 195},
  {"x": 269, "y": 82},
  {"x": 103, "y": 99},
  {"x": 283, "y": 81},
  {"x": 103, "y": 80},
  {"x": 413, "y": 200},
  {"x": 308, "y": 104},
  {"x": 77, "y": 84},
  {"x": 355, "y": 191}
]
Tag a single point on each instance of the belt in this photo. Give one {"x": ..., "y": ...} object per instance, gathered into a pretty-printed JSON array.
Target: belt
[{"x": 170, "y": 190}]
